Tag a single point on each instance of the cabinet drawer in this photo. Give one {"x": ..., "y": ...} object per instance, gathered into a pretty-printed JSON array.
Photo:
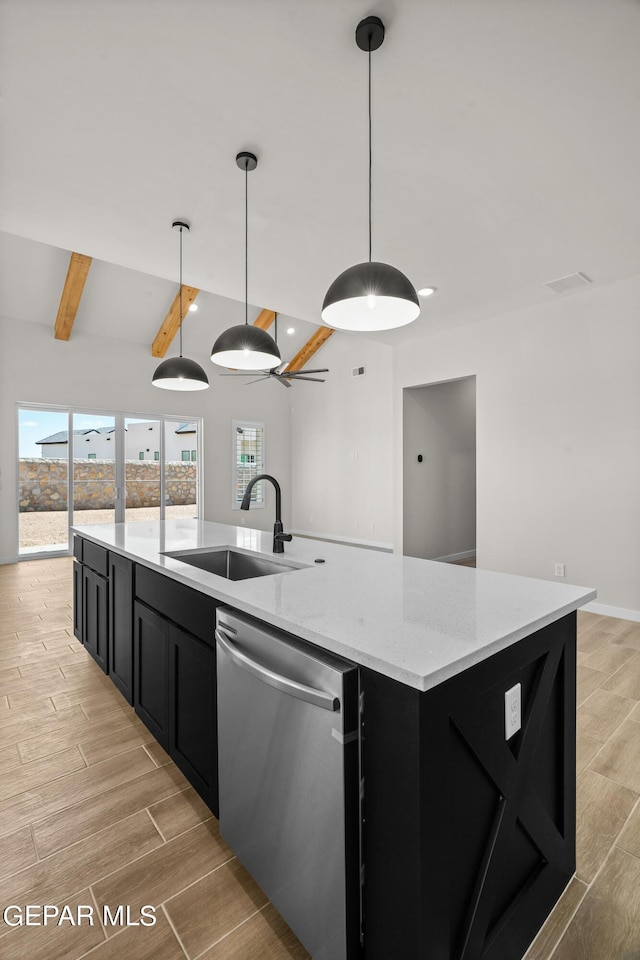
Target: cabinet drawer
[
  {"x": 95, "y": 557},
  {"x": 188, "y": 608}
]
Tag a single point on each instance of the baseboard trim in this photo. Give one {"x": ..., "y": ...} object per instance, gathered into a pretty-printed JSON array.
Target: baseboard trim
[
  {"x": 451, "y": 557},
  {"x": 8, "y": 560},
  {"x": 605, "y": 610},
  {"x": 347, "y": 541}
]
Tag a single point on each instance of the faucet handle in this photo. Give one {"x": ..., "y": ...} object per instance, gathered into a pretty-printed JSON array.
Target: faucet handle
[{"x": 283, "y": 536}]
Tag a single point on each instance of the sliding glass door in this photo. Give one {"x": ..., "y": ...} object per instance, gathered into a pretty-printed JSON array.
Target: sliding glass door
[
  {"x": 93, "y": 464},
  {"x": 81, "y": 467},
  {"x": 43, "y": 480}
]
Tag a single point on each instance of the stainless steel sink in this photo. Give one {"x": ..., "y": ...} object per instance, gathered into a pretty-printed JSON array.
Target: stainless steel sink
[{"x": 231, "y": 564}]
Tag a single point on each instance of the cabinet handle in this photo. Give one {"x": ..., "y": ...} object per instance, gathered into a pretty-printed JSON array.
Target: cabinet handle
[{"x": 294, "y": 689}]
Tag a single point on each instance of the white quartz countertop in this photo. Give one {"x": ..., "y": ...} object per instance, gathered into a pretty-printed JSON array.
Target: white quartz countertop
[{"x": 417, "y": 621}]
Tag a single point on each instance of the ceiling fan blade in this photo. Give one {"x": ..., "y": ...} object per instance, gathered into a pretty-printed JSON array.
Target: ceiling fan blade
[
  {"x": 297, "y": 373},
  {"x": 282, "y": 380},
  {"x": 249, "y": 382},
  {"x": 315, "y": 379},
  {"x": 248, "y": 373}
]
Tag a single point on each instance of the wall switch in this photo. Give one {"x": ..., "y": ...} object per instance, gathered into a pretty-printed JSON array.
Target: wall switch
[
  {"x": 558, "y": 570},
  {"x": 512, "y": 711}
]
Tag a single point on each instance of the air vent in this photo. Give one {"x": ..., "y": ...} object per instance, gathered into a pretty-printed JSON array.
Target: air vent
[
  {"x": 569, "y": 283},
  {"x": 358, "y": 372}
]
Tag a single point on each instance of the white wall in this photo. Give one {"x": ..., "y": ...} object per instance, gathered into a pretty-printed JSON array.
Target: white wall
[
  {"x": 341, "y": 444},
  {"x": 558, "y": 435},
  {"x": 100, "y": 373},
  {"x": 439, "y": 424}
]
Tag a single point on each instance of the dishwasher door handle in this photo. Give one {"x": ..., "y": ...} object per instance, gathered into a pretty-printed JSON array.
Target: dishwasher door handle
[{"x": 299, "y": 690}]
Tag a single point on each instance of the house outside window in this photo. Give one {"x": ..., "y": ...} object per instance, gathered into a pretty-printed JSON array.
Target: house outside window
[
  {"x": 91, "y": 456},
  {"x": 186, "y": 455},
  {"x": 193, "y": 455},
  {"x": 156, "y": 454},
  {"x": 141, "y": 455}
]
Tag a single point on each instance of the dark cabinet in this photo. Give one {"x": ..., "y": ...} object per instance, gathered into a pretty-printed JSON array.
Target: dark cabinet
[
  {"x": 77, "y": 601},
  {"x": 193, "y": 730},
  {"x": 90, "y": 598},
  {"x": 151, "y": 671},
  {"x": 121, "y": 624},
  {"x": 155, "y": 639},
  {"x": 95, "y": 615}
]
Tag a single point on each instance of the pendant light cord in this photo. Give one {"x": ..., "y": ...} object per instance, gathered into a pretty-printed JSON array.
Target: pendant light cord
[
  {"x": 246, "y": 242},
  {"x": 369, "y": 150},
  {"x": 180, "y": 291}
]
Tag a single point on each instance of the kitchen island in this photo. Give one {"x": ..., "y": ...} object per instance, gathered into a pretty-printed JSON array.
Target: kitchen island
[{"x": 467, "y": 837}]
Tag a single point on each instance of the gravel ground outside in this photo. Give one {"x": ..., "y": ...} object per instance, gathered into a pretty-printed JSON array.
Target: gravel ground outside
[{"x": 50, "y": 527}]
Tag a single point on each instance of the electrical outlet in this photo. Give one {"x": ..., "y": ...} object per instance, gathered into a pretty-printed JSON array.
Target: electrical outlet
[
  {"x": 558, "y": 570},
  {"x": 512, "y": 711}
]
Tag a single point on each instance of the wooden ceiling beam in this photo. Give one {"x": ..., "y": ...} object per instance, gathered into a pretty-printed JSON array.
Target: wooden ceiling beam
[
  {"x": 171, "y": 323},
  {"x": 313, "y": 344},
  {"x": 264, "y": 319},
  {"x": 71, "y": 294}
]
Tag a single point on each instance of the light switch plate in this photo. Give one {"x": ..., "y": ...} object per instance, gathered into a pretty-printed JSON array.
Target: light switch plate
[{"x": 512, "y": 711}]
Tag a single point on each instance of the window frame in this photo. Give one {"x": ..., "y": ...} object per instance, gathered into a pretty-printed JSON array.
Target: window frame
[{"x": 261, "y": 468}]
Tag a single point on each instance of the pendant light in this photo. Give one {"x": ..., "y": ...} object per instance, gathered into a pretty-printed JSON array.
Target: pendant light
[
  {"x": 370, "y": 295},
  {"x": 246, "y": 347},
  {"x": 179, "y": 373}
]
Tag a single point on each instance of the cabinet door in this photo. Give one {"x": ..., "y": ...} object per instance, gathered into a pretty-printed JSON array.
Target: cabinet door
[
  {"x": 95, "y": 615},
  {"x": 150, "y": 671},
  {"x": 192, "y": 713},
  {"x": 77, "y": 601},
  {"x": 121, "y": 624}
]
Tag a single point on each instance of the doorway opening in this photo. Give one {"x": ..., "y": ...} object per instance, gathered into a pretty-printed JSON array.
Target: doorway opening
[{"x": 439, "y": 471}]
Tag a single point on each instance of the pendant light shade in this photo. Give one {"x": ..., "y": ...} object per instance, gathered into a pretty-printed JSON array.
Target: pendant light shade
[
  {"x": 370, "y": 295},
  {"x": 246, "y": 347},
  {"x": 179, "y": 373},
  {"x": 373, "y": 293}
]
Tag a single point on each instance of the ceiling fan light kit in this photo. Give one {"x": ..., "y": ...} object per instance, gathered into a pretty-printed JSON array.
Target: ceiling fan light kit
[
  {"x": 244, "y": 346},
  {"x": 370, "y": 296},
  {"x": 180, "y": 373}
]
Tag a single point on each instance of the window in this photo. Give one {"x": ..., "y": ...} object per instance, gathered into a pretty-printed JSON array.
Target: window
[
  {"x": 247, "y": 461},
  {"x": 193, "y": 455},
  {"x": 54, "y": 442},
  {"x": 186, "y": 455}
]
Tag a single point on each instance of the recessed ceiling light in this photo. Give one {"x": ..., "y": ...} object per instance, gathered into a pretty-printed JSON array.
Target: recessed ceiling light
[
  {"x": 426, "y": 291},
  {"x": 291, "y": 329},
  {"x": 193, "y": 308}
]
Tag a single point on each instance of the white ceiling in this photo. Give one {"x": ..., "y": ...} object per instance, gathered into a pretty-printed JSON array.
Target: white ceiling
[{"x": 506, "y": 150}]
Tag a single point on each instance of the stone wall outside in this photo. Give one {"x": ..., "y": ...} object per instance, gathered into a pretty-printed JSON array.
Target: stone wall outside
[{"x": 43, "y": 484}]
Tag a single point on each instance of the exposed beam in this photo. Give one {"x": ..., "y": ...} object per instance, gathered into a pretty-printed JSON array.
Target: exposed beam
[
  {"x": 171, "y": 322},
  {"x": 312, "y": 346},
  {"x": 264, "y": 319},
  {"x": 71, "y": 293}
]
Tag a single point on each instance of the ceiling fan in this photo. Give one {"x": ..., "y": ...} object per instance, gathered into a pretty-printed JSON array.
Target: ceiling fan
[{"x": 279, "y": 373}]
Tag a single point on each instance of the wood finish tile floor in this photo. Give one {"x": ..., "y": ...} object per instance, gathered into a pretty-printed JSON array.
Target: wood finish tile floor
[{"x": 93, "y": 811}]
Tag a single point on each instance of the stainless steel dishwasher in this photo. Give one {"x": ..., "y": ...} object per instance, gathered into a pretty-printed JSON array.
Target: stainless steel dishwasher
[{"x": 289, "y": 778}]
